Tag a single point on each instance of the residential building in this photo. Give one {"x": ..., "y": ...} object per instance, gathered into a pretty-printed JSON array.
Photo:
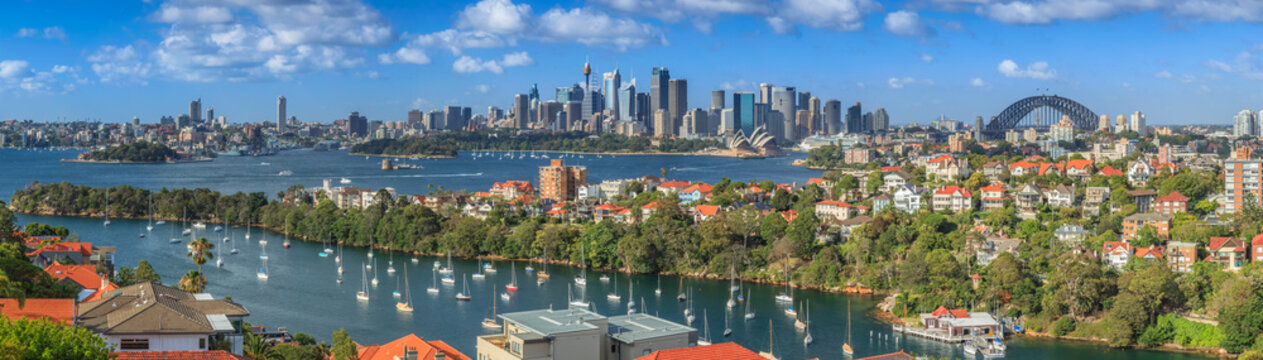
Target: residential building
[
  {"x": 1116, "y": 253},
  {"x": 881, "y": 202},
  {"x": 1181, "y": 255},
  {"x": 71, "y": 252},
  {"x": 673, "y": 186},
  {"x": 1133, "y": 223},
  {"x": 581, "y": 334},
  {"x": 1171, "y": 204},
  {"x": 1256, "y": 248},
  {"x": 1243, "y": 124},
  {"x": 410, "y": 347},
  {"x": 833, "y": 209},
  {"x": 559, "y": 182},
  {"x": 952, "y": 198},
  {"x": 961, "y": 323},
  {"x": 1094, "y": 196},
  {"x": 947, "y": 167},
  {"x": 1078, "y": 168},
  {"x": 1060, "y": 196},
  {"x": 1242, "y": 177},
  {"x": 908, "y": 199},
  {"x": 1143, "y": 199},
  {"x": 512, "y": 189},
  {"x": 153, "y": 317},
  {"x": 993, "y": 196},
  {"x": 1151, "y": 253},
  {"x": 1139, "y": 172},
  {"x": 695, "y": 192},
  {"x": 84, "y": 277},
  {"x": 178, "y": 355},
  {"x": 60, "y": 311},
  {"x": 1028, "y": 198},
  {"x": 893, "y": 180},
  {"x": 1227, "y": 251},
  {"x": 1070, "y": 233},
  {"x": 995, "y": 170}
]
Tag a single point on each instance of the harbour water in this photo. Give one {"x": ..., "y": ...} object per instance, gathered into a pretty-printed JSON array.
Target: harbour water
[{"x": 302, "y": 294}]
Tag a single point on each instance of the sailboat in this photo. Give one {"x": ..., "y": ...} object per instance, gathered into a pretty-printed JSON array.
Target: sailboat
[
  {"x": 771, "y": 343},
  {"x": 749, "y": 314},
  {"x": 107, "y": 207},
  {"x": 631, "y": 297},
  {"x": 448, "y": 269},
  {"x": 613, "y": 295},
  {"x": 846, "y": 346},
  {"x": 582, "y": 279},
  {"x": 390, "y": 265},
  {"x": 491, "y": 322},
  {"x": 727, "y": 325},
  {"x": 658, "y": 291},
  {"x": 396, "y": 293},
  {"x": 374, "y": 275},
  {"x": 234, "y": 249},
  {"x": 219, "y": 256},
  {"x": 264, "y": 240},
  {"x": 681, "y": 297},
  {"x": 150, "y": 227},
  {"x": 807, "y": 315},
  {"x": 732, "y": 302},
  {"x": 576, "y": 302},
  {"x": 478, "y": 275},
  {"x": 338, "y": 258},
  {"x": 434, "y": 284},
  {"x": 688, "y": 309},
  {"x": 512, "y": 285},
  {"x": 362, "y": 295},
  {"x": 791, "y": 311},
  {"x": 464, "y": 295},
  {"x": 788, "y": 294},
  {"x": 285, "y": 235},
  {"x": 184, "y": 223},
  {"x": 543, "y": 274},
  {"x": 263, "y": 255},
  {"x": 263, "y": 273},
  {"x": 406, "y": 304},
  {"x": 706, "y": 326},
  {"x": 489, "y": 268}
]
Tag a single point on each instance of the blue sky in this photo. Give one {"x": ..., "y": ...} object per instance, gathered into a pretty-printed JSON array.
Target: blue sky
[{"x": 1179, "y": 61}]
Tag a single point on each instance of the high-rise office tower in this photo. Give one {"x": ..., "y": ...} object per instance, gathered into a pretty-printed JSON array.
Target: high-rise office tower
[
  {"x": 1120, "y": 124},
  {"x": 881, "y": 121},
  {"x": 415, "y": 118},
  {"x": 533, "y": 96},
  {"x": 727, "y": 122},
  {"x": 574, "y": 114},
  {"x": 593, "y": 103},
  {"x": 627, "y": 102},
  {"x": 659, "y": 90},
  {"x": 802, "y": 123},
  {"x": 195, "y": 111},
  {"x": 743, "y": 112},
  {"x": 804, "y": 100},
  {"x": 494, "y": 115},
  {"x": 717, "y": 99},
  {"x": 868, "y": 121},
  {"x": 783, "y": 102},
  {"x": 547, "y": 114},
  {"x": 978, "y": 126},
  {"x": 1243, "y": 124},
  {"x": 281, "y": 114},
  {"x": 453, "y": 118},
  {"x": 816, "y": 125},
  {"x": 661, "y": 124},
  {"x": 1103, "y": 124},
  {"x": 210, "y": 114},
  {"x": 855, "y": 120},
  {"x": 833, "y": 117},
  {"x": 610, "y": 84},
  {"x": 679, "y": 95},
  {"x": 520, "y": 111},
  {"x": 1138, "y": 123},
  {"x": 765, "y": 93},
  {"x": 643, "y": 113},
  {"x": 357, "y": 125},
  {"x": 701, "y": 122}
]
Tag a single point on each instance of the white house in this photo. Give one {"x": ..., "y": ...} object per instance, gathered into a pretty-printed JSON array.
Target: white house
[{"x": 153, "y": 317}]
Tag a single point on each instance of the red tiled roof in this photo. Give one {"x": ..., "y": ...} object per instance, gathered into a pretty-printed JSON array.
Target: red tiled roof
[
  {"x": 889, "y": 168},
  {"x": 957, "y": 313},
  {"x": 57, "y": 310},
  {"x": 1219, "y": 242},
  {"x": 721, "y": 351},
  {"x": 815, "y": 181},
  {"x": 700, "y": 187},
  {"x": 1111, "y": 246},
  {"x": 949, "y": 189},
  {"x": 833, "y": 203},
  {"x": 1257, "y": 241},
  {"x": 426, "y": 349},
  {"x": 1110, "y": 171},
  {"x": 178, "y": 355},
  {"x": 1023, "y": 164},
  {"x": 789, "y": 215},
  {"x": 1174, "y": 196},
  {"x": 940, "y": 158},
  {"x": 995, "y": 186},
  {"x": 1155, "y": 251},
  {"x": 674, "y": 184},
  {"x": 81, "y": 247},
  {"x": 891, "y": 356},
  {"x": 1079, "y": 164},
  {"x": 650, "y": 205},
  {"x": 708, "y": 210},
  {"x": 84, "y": 275}
]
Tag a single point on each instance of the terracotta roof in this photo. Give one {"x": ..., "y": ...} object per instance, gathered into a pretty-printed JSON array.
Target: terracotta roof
[
  {"x": 1110, "y": 171},
  {"x": 1220, "y": 242},
  {"x": 721, "y": 351},
  {"x": 889, "y": 168},
  {"x": 995, "y": 186},
  {"x": 674, "y": 184},
  {"x": 84, "y": 275},
  {"x": 1023, "y": 164},
  {"x": 80, "y": 247},
  {"x": 789, "y": 215},
  {"x": 1079, "y": 164},
  {"x": 1111, "y": 246},
  {"x": 650, "y": 205},
  {"x": 1155, "y": 251},
  {"x": 178, "y": 355},
  {"x": 1257, "y": 241},
  {"x": 708, "y": 210},
  {"x": 152, "y": 308},
  {"x": 891, "y": 356},
  {"x": 57, "y": 310},
  {"x": 958, "y": 313},
  {"x": 833, "y": 203},
  {"x": 815, "y": 181},
  {"x": 949, "y": 189},
  {"x": 1174, "y": 196},
  {"x": 700, "y": 187},
  {"x": 426, "y": 349},
  {"x": 940, "y": 158},
  {"x": 1143, "y": 192}
]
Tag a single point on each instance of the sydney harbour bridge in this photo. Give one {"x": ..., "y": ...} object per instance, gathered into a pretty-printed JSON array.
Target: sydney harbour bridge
[{"x": 1040, "y": 112}]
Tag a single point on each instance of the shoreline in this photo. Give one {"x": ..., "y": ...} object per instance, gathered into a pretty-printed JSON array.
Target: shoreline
[
  {"x": 404, "y": 156},
  {"x": 125, "y": 162},
  {"x": 636, "y": 153}
]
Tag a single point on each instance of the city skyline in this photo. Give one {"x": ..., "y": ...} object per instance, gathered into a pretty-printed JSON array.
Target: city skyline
[{"x": 383, "y": 58}]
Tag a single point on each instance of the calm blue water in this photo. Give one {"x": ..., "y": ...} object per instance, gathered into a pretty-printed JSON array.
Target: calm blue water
[{"x": 303, "y": 296}]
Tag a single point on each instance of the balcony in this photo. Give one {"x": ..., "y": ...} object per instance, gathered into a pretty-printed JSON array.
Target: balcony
[{"x": 496, "y": 347}]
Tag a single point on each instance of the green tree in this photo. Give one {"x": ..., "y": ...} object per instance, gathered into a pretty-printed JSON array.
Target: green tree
[
  {"x": 874, "y": 182},
  {"x": 1241, "y": 315},
  {"x": 258, "y": 348},
  {"x": 343, "y": 347},
  {"x": 193, "y": 281},
  {"x": 773, "y": 227},
  {"x": 7, "y": 225},
  {"x": 42, "y": 339},
  {"x": 200, "y": 252}
]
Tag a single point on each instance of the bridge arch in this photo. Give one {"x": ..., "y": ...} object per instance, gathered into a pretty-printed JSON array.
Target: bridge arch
[{"x": 1019, "y": 114}]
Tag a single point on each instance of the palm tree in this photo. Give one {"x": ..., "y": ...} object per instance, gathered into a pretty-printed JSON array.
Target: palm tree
[
  {"x": 199, "y": 250},
  {"x": 259, "y": 349},
  {"x": 193, "y": 281}
]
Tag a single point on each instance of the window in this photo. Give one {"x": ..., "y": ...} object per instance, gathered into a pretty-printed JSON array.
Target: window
[
  {"x": 201, "y": 343},
  {"x": 646, "y": 352},
  {"x": 133, "y": 344}
]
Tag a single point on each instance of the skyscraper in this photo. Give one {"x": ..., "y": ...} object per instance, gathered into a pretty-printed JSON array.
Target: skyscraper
[
  {"x": 592, "y": 103},
  {"x": 195, "y": 111},
  {"x": 881, "y": 121},
  {"x": 611, "y": 83},
  {"x": 817, "y": 120},
  {"x": 574, "y": 114},
  {"x": 717, "y": 99},
  {"x": 357, "y": 125},
  {"x": 1120, "y": 124},
  {"x": 643, "y": 113},
  {"x": 659, "y": 91},
  {"x": 415, "y": 118},
  {"x": 280, "y": 112},
  {"x": 1244, "y": 124},
  {"x": 678, "y": 104},
  {"x": 833, "y": 117},
  {"x": 765, "y": 93},
  {"x": 520, "y": 111},
  {"x": 701, "y": 122},
  {"x": 978, "y": 126},
  {"x": 626, "y": 108},
  {"x": 804, "y": 100},
  {"x": 855, "y": 120},
  {"x": 1103, "y": 124},
  {"x": 743, "y": 112},
  {"x": 558, "y": 182},
  {"x": 662, "y": 124},
  {"x": 783, "y": 102},
  {"x": 1138, "y": 123},
  {"x": 210, "y": 114},
  {"x": 453, "y": 117}
]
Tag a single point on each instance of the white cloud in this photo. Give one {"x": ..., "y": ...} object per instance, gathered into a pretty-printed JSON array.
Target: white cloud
[
  {"x": 1163, "y": 75},
  {"x": 52, "y": 32},
  {"x": 977, "y": 82},
  {"x": 177, "y": 14},
  {"x": 405, "y": 55},
  {"x": 1050, "y": 11},
  {"x": 701, "y": 13},
  {"x": 737, "y": 85},
  {"x": 839, "y": 15},
  {"x": 1246, "y": 64},
  {"x": 455, "y": 40},
  {"x": 495, "y": 16},
  {"x": 482, "y": 88},
  {"x": 927, "y": 58},
  {"x": 907, "y": 23},
  {"x": 119, "y": 64},
  {"x": 10, "y": 69},
  {"x": 416, "y": 104},
  {"x": 899, "y": 83},
  {"x": 594, "y": 28},
  {"x": 468, "y": 64},
  {"x": 1038, "y": 70}
]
